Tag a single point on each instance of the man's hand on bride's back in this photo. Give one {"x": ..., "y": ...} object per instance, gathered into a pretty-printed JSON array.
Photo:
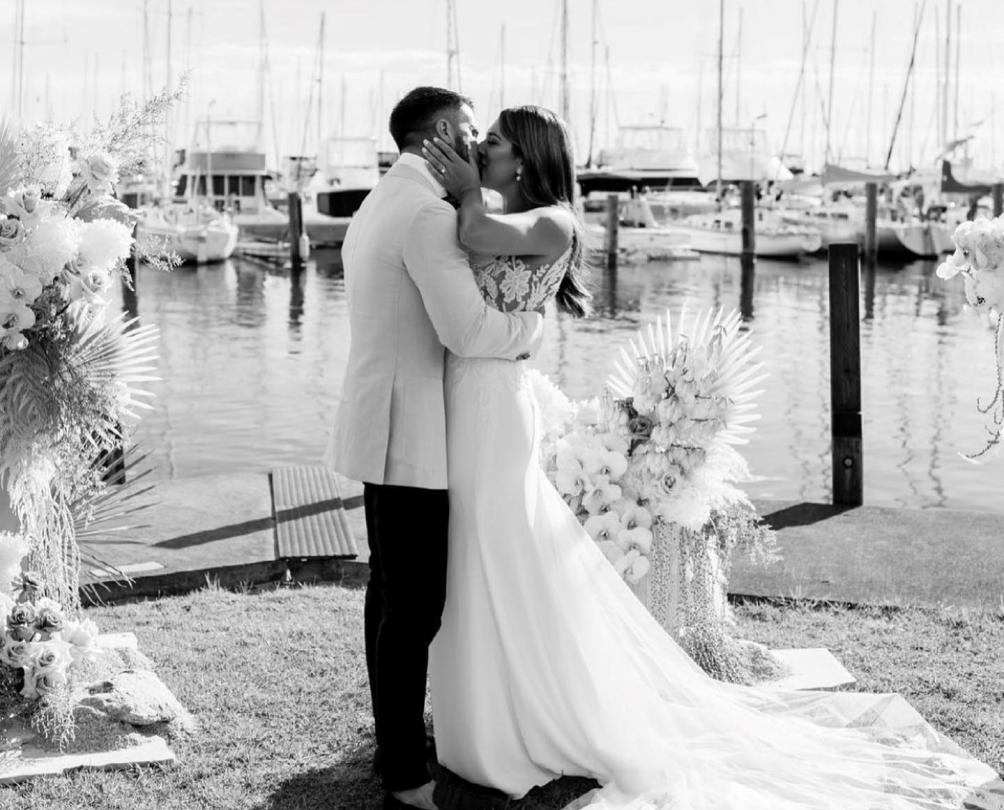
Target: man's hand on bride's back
[{"x": 457, "y": 176}]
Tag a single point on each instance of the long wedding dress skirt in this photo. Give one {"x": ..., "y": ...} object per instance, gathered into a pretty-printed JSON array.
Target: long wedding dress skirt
[{"x": 546, "y": 664}]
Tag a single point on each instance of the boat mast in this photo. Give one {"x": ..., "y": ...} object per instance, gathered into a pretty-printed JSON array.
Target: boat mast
[
  {"x": 452, "y": 47},
  {"x": 829, "y": 103},
  {"x": 958, "y": 43},
  {"x": 188, "y": 68},
  {"x": 871, "y": 88},
  {"x": 261, "y": 71},
  {"x": 168, "y": 140},
  {"x": 739, "y": 64},
  {"x": 18, "y": 77},
  {"x": 721, "y": 45},
  {"x": 592, "y": 89},
  {"x": 564, "y": 62},
  {"x": 320, "y": 86},
  {"x": 502, "y": 67},
  {"x": 805, "y": 50},
  {"x": 611, "y": 109},
  {"x": 948, "y": 68}
]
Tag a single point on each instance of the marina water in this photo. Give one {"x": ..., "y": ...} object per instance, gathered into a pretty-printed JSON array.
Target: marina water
[{"x": 251, "y": 365}]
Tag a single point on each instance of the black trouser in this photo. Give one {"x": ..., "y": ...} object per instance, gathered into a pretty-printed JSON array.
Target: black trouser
[{"x": 407, "y": 529}]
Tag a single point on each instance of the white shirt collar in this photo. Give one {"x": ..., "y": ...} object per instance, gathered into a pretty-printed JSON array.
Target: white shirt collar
[{"x": 418, "y": 162}]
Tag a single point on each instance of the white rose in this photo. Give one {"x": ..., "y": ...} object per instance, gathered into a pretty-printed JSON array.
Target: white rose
[{"x": 11, "y": 232}]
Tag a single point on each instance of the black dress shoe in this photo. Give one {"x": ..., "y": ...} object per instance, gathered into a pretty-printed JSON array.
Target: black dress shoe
[
  {"x": 430, "y": 754},
  {"x": 390, "y": 803},
  {"x": 454, "y": 793}
]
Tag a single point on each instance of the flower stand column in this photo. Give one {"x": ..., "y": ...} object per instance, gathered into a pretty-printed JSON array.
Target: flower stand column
[{"x": 8, "y": 520}]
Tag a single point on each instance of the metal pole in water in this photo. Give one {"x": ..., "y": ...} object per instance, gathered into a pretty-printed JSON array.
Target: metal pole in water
[
  {"x": 871, "y": 215},
  {"x": 613, "y": 223},
  {"x": 845, "y": 375}
]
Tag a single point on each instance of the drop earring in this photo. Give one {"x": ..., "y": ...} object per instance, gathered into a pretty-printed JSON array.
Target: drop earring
[{"x": 519, "y": 174}]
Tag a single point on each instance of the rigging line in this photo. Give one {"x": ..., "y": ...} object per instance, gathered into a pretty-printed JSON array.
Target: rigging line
[
  {"x": 600, "y": 26},
  {"x": 314, "y": 78},
  {"x": 549, "y": 64},
  {"x": 906, "y": 84},
  {"x": 798, "y": 86}
]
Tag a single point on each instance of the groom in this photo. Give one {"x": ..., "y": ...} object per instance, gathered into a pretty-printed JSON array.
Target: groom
[{"x": 411, "y": 296}]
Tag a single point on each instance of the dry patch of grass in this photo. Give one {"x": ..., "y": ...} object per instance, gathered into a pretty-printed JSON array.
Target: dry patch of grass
[{"x": 278, "y": 682}]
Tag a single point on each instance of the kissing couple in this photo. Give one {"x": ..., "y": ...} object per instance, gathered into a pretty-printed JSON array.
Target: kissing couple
[{"x": 542, "y": 663}]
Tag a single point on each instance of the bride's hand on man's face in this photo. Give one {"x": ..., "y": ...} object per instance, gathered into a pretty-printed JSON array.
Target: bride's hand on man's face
[{"x": 456, "y": 174}]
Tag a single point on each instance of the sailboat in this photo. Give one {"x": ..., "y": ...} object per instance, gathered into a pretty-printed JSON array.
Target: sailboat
[
  {"x": 195, "y": 232},
  {"x": 192, "y": 229},
  {"x": 721, "y": 231}
]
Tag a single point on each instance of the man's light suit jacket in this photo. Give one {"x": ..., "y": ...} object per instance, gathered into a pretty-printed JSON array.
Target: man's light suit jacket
[{"x": 411, "y": 296}]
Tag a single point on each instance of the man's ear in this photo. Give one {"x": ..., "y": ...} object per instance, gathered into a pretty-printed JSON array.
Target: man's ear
[{"x": 444, "y": 130}]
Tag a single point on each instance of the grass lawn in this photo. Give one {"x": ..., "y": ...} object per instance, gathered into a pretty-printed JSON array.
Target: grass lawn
[{"x": 278, "y": 683}]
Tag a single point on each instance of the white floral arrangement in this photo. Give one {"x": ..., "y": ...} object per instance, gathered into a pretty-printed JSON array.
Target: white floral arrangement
[
  {"x": 69, "y": 366},
  {"x": 659, "y": 445},
  {"x": 42, "y": 650},
  {"x": 979, "y": 259}
]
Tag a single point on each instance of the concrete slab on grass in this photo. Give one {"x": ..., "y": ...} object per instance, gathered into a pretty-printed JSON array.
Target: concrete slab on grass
[
  {"x": 29, "y": 761},
  {"x": 810, "y": 668}
]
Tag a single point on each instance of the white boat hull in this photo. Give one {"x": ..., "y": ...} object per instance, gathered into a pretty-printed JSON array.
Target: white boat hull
[
  {"x": 199, "y": 244},
  {"x": 913, "y": 240},
  {"x": 646, "y": 244},
  {"x": 767, "y": 244}
]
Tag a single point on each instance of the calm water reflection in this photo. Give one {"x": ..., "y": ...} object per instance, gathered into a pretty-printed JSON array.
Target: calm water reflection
[{"x": 252, "y": 360}]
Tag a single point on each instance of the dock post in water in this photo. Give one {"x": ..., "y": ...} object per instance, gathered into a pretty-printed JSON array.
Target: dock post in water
[
  {"x": 845, "y": 375},
  {"x": 871, "y": 215},
  {"x": 613, "y": 223},
  {"x": 998, "y": 190},
  {"x": 747, "y": 257},
  {"x": 295, "y": 229}
]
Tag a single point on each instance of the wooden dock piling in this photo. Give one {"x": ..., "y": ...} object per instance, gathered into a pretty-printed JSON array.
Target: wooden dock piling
[
  {"x": 613, "y": 223},
  {"x": 845, "y": 375},
  {"x": 295, "y": 229},
  {"x": 748, "y": 202},
  {"x": 747, "y": 257}
]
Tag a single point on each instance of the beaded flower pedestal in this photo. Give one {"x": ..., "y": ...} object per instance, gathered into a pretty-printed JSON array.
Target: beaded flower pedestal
[
  {"x": 685, "y": 590},
  {"x": 123, "y": 719}
]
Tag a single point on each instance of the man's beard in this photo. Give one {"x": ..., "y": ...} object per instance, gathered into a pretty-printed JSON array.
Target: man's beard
[{"x": 461, "y": 148}]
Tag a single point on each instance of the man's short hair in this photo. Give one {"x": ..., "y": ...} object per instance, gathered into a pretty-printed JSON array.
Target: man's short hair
[{"x": 413, "y": 116}]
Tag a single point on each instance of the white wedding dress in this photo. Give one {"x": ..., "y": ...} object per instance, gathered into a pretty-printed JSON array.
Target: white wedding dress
[{"x": 546, "y": 664}]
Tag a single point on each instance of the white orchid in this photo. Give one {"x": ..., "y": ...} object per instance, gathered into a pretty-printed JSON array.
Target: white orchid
[
  {"x": 604, "y": 527},
  {"x": 638, "y": 539},
  {"x": 601, "y": 498}
]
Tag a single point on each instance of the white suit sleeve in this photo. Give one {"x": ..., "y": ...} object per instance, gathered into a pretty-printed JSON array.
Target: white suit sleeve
[{"x": 464, "y": 322}]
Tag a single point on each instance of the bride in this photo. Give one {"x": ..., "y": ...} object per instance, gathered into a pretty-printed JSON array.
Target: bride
[{"x": 546, "y": 664}]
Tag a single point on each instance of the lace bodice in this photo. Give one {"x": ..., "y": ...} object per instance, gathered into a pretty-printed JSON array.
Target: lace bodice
[{"x": 510, "y": 286}]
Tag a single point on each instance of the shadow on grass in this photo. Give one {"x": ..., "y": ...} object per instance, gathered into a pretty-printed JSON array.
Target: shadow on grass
[{"x": 347, "y": 783}]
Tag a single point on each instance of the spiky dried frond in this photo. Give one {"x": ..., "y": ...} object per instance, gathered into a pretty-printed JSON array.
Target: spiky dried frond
[
  {"x": 10, "y": 162},
  {"x": 724, "y": 355}
]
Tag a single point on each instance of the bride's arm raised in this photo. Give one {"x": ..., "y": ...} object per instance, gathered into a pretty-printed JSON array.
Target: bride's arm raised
[{"x": 541, "y": 232}]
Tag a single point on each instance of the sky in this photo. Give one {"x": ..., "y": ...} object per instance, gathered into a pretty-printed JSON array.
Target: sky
[{"x": 655, "y": 62}]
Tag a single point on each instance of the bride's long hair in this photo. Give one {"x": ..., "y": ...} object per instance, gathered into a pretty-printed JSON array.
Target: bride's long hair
[{"x": 541, "y": 138}]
